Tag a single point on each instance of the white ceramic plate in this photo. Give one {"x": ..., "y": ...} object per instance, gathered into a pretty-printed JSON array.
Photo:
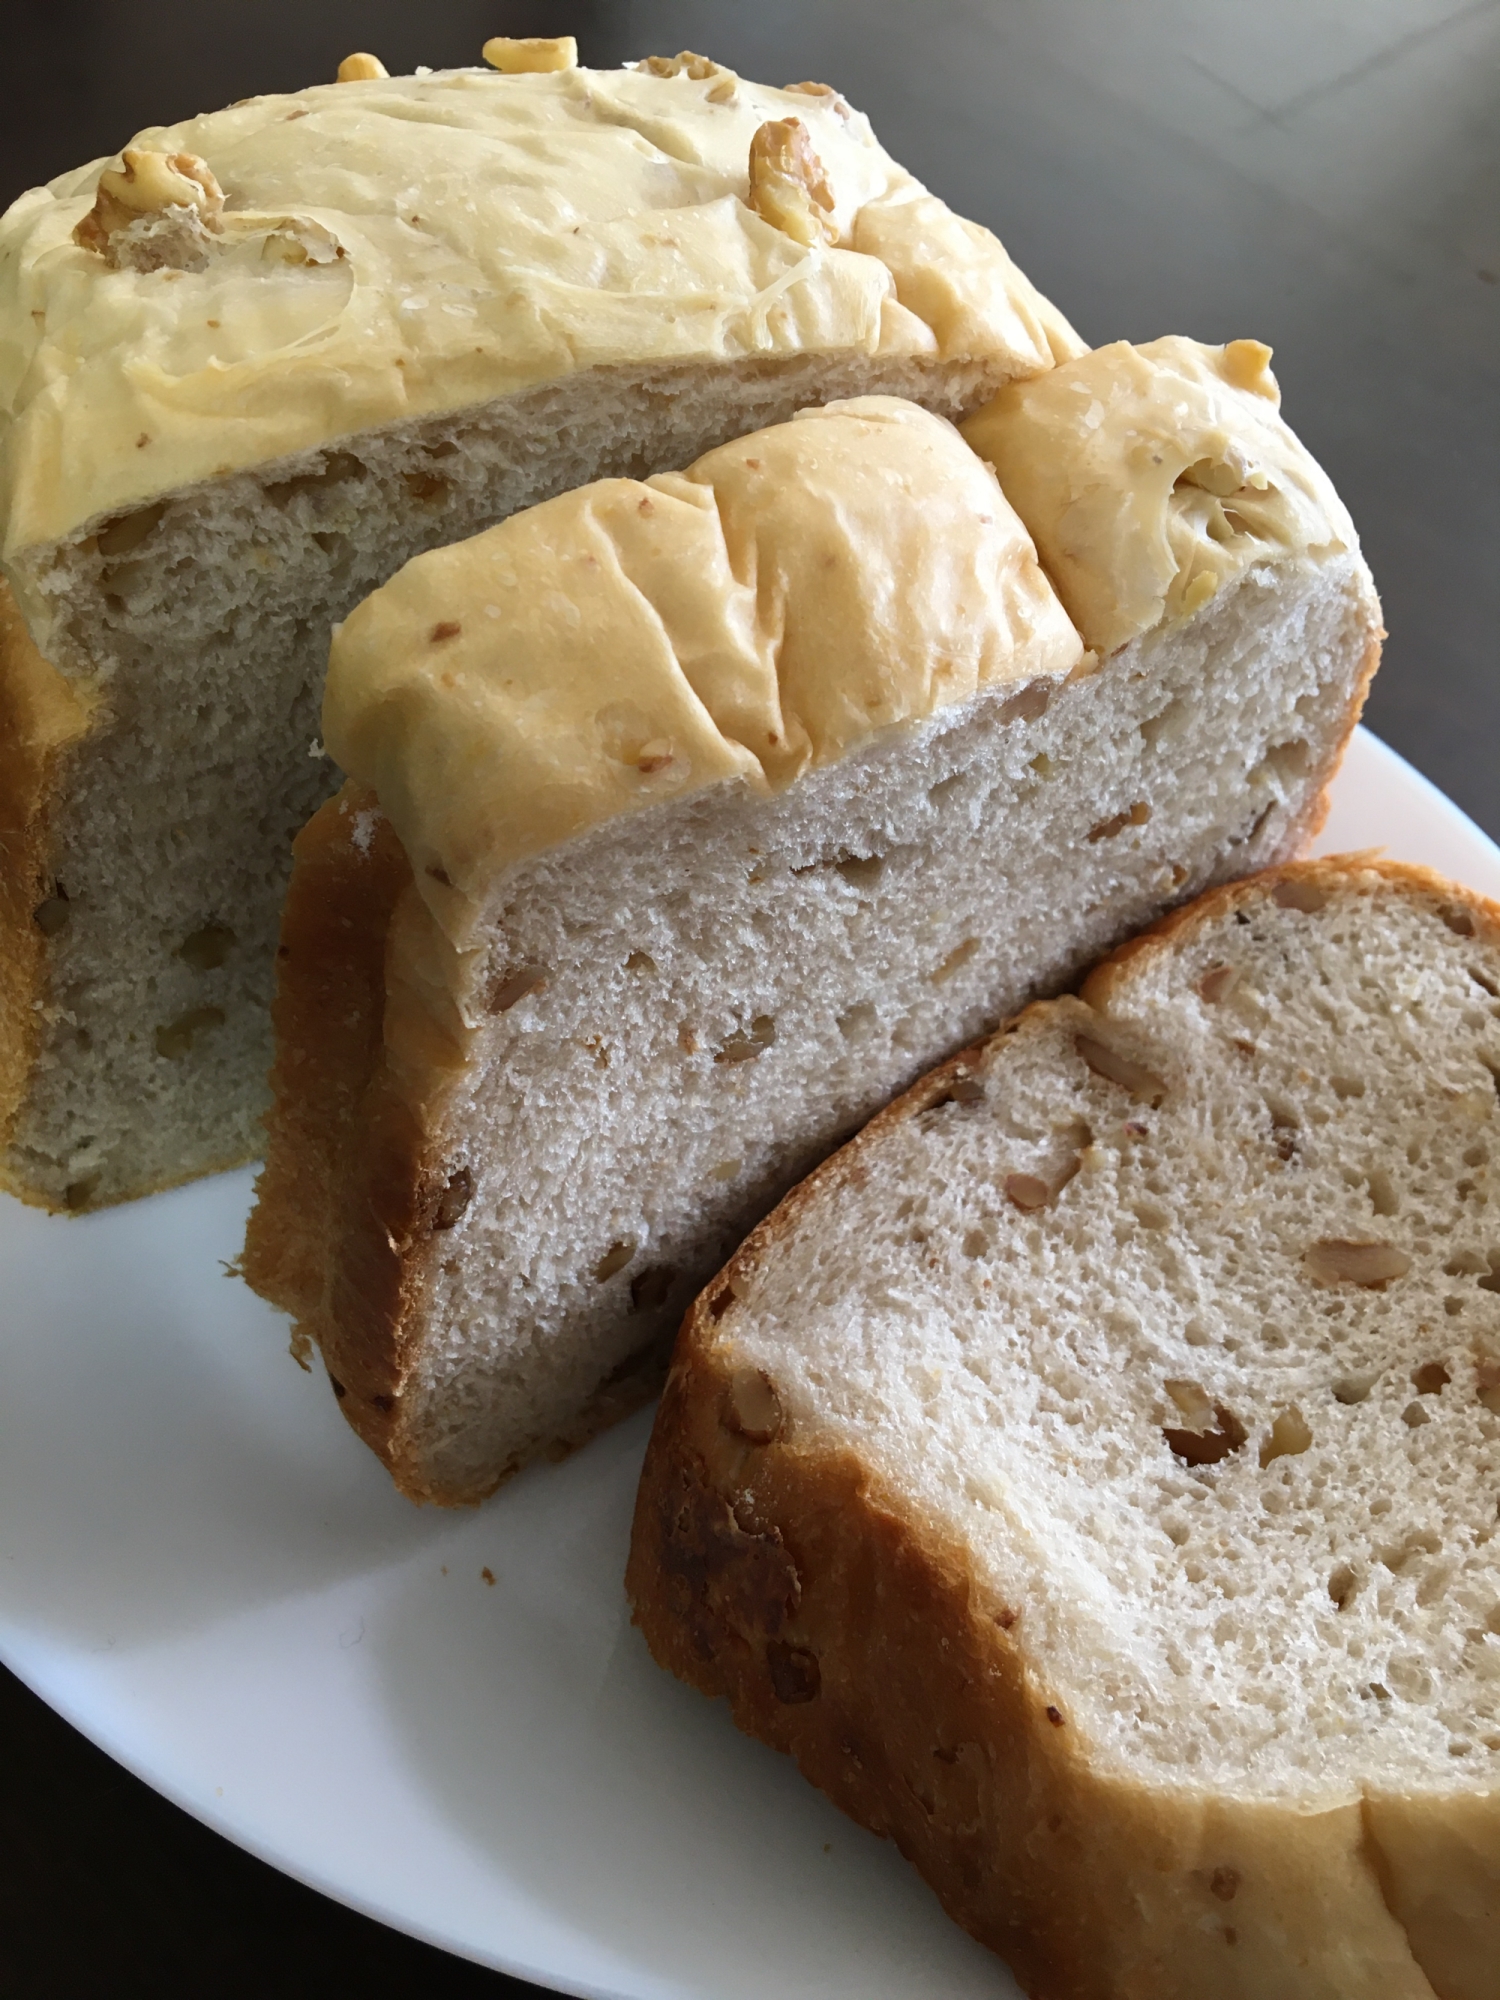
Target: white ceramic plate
[{"x": 205, "y": 1572}]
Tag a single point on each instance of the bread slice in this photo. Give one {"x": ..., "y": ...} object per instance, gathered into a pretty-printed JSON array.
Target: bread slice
[
  {"x": 1090, "y": 1474},
  {"x": 727, "y": 803},
  {"x": 249, "y": 369}
]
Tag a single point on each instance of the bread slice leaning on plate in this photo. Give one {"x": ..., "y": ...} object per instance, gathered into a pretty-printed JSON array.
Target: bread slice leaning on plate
[
  {"x": 688, "y": 820},
  {"x": 1090, "y": 1473},
  {"x": 251, "y": 366}
]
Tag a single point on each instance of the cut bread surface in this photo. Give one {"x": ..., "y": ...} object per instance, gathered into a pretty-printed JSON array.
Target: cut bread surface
[
  {"x": 201, "y": 648},
  {"x": 329, "y": 394},
  {"x": 1151, "y": 1352},
  {"x": 678, "y": 1013}
]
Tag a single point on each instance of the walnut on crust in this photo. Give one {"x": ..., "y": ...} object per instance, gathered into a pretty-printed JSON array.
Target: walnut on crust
[
  {"x": 154, "y": 211},
  {"x": 684, "y": 63},
  {"x": 361, "y": 67},
  {"x": 788, "y": 185},
  {"x": 523, "y": 55}
]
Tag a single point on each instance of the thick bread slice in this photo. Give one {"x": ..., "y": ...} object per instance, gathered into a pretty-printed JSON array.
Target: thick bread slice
[
  {"x": 1090, "y": 1474},
  {"x": 422, "y": 303},
  {"x": 730, "y": 801}
]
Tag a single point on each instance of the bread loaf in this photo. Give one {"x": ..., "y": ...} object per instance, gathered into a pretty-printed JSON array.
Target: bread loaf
[
  {"x": 1089, "y": 1475},
  {"x": 688, "y": 820},
  {"x": 254, "y": 364}
]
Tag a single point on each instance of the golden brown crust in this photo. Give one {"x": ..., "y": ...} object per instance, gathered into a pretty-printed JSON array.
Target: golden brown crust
[
  {"x": 353, "y": 1192},
  {"x": 348, "y": 869},
  {"x": 40, "y": 716},
  {"x": 850, "y": 1630}
]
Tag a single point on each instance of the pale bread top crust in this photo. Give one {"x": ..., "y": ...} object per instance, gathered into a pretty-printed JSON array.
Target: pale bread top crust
[
  {"x": 783, "y": 600},
  {"x": 394, "y": 247},
  {"x": 1150, "y": 477}
]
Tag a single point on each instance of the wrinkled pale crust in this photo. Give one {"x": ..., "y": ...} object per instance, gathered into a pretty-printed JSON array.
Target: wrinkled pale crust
[
  {"x": 1151, "y": 477},
  {"x": 755, "y": 617},
  {"x": 928, "y": 1719},
  {"x": 398, "y": 247}
]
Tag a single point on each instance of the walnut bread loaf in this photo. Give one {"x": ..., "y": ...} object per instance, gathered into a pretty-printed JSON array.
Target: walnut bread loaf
[
  {"x": 688, "y": 820},
  {"x": 1090, "y": 1473},
  {"x": 251, "y": 366}
]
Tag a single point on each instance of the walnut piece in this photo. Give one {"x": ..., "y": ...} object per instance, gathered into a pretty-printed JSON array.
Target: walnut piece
[
  {"x": 1027, "y": 1192},
  {"x": 752, "y": 1406},
  {"x": 788, "y": 186},
  {"x": 1121, "y": 1069},
  {"x": 700, "y": 68},
  {"x": 1373, "y": 1265},
  {"x": 361, "y": 67},
  {"x": 155, "y": 211},
  {"x": 530, "y": 54},
  {"x": 1289, "y": 1436}
]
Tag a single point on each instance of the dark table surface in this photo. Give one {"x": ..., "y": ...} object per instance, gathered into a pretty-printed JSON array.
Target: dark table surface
[{"x": 1320, "y": 174}]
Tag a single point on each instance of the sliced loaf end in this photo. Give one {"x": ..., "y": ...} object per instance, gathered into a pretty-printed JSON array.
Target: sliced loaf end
[{"x": 1089, "y": 1474}]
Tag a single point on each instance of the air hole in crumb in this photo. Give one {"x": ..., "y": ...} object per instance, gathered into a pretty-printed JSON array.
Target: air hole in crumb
[
  {"x": 640, "y": 961},
  {"x": 958, "y": 957},
  {"x": 945, "y": 787},
  {"x": 1383, "y": 1196},
  {"x": 78, "y": 1194},
  {"x": 859, "y": 1021},
  {"x": 1341, "y": 1585},
  {"x": 51, "y": 916},
  {"x": 861, "y": 871},
  {"x": 794, "y": 1672},
  {"x": 1289, "y": 1437},
  {"x": 1414, "y": 1416},
  {"x": 513, "y": 984},
  {"x": 1134, "y": 815},
  {"x": 127, "y": 531},
  {"x": 746, "y": 1044},
  {"x": 1028, "y": 705},
  {"x": 650, "y": 1289},
  {"x": 1351, "y": 1389},
  {"x": 615, "y": 1258},
  {"x": 205, "y": 950},
  {"x": 455, "y": 1198},
  {"x": 976, "y": 1243},
  {"x": 1458, "y": 920},
  {"x": 1483, "y": 980},
  {"x": 1299, "y": 894},
  {"x": 1347, "y": 1086},
  {"x": 425, "y": 486},
  {"x": 1430, "y": 1379},
  {"x": 1170, "y": 723},
  {"x": 175, "y": 1039}
]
